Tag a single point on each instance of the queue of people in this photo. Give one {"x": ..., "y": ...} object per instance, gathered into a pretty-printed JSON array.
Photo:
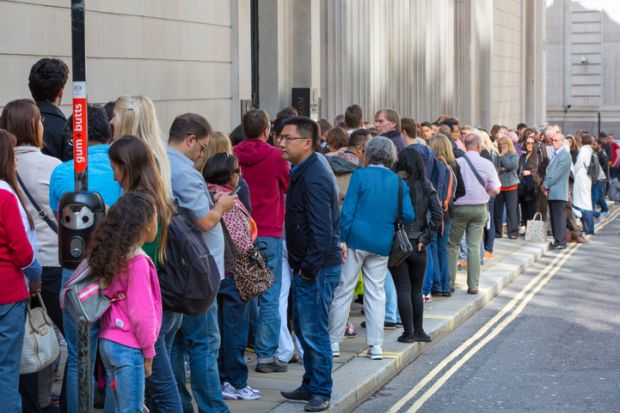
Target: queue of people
[{"x": 320, "y": 203}]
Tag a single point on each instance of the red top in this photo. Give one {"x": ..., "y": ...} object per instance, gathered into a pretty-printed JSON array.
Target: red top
[
  {"x": 614, "y": 153},
  {"x": 15, "y": 251},
  {"x": 267, "y": 175}
]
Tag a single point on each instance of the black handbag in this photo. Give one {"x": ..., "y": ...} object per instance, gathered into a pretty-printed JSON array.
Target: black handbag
[{"x": 401, "y": 246}]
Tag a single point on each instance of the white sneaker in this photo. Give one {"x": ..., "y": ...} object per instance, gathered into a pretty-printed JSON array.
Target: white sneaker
[
  {"x": 375, "y": 352},
  {"x": 335, "y": 350},
  {"x": 229, "y": 392},
  {"x": 248, "y": 393}
]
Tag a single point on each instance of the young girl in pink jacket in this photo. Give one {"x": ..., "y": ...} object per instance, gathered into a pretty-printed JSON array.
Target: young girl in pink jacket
[{"x": 129, "y": 329}]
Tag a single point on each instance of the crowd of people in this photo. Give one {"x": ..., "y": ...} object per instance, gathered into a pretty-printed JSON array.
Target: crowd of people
[{"x": 320, "y": 201}]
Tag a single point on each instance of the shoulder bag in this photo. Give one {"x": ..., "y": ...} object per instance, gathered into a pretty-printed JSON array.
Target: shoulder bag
[
  {"x": 41, "y": 347},
  {"x": 401, "y": 246}
]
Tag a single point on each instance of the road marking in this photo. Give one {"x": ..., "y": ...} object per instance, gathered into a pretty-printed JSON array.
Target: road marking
[{"x": 536, "y": 284}]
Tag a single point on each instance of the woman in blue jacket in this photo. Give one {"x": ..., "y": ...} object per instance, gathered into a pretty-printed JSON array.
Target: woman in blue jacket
[{"x": 367, "y": 223}]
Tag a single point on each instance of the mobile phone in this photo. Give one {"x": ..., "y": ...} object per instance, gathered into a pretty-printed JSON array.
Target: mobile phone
[{"x": 235, "y": 191}]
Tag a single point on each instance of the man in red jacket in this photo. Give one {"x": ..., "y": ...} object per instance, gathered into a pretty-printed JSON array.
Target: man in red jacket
[{"x": 267, "y": 175}]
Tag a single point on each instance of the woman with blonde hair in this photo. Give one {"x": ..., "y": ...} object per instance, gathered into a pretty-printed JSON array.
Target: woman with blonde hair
[
  {"x": 441, "y": 145},
  {"x": 509, "y": 177},
  {"x": 136, "y": 115}
]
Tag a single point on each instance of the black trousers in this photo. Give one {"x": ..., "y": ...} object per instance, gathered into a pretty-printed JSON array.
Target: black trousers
[
  {"x": 528, "y": 209},
  {"x": 409, "y": 278},
  {"x": 511, "y": 200},
  {"x": 557, "y": 211}
]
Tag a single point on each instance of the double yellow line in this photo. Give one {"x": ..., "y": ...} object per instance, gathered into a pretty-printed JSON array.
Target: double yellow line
[{"x": 520, "y": 301}]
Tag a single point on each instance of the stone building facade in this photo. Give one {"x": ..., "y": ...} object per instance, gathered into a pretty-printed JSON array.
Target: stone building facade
[{"x": 481, "y": 60}]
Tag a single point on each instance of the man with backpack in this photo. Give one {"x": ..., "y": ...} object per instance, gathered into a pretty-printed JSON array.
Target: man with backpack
[{"x": 199, "y": 335}]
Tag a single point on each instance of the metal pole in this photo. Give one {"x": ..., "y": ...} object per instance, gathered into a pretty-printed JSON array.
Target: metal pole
[
  {"x": 80, "y": 158},
  {"x": 599, "y": 125}
]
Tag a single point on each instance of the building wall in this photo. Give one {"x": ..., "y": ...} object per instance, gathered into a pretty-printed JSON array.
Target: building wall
[
  {"x": 507, "y": 65},
  {"x": 186, "y": 56},
  {"x": 583, "y": 54}
]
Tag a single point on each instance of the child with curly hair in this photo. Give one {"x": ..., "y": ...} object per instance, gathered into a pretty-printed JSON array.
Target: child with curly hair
[{"x": 130, "y": 327}]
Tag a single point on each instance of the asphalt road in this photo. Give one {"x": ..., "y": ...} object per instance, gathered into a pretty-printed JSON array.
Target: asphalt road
[{"x": 560, "y": 354}]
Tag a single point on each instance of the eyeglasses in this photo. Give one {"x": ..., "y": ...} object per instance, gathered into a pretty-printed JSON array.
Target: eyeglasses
[
  {"x": 202, "y": 145},
  {"x": 529, "y": 143},
  {"x": 289, "y": 138}
]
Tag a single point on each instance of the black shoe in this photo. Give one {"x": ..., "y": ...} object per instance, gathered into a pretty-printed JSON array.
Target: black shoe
[
  {"x": 390, "y": 326},
  {"x": 446, "y": 294},
  {"x": 317, "y": 404},
  {"x": 406, "y": 338},
  {"x": 436, "y": 293},
  {"x": 422, "y": 337},
  {"x": 558, "y": 246},
  {"x": 452, "y": 289},
  {"x": 275, "y": 366},
  {"x": 472, "y": 291},
  {"x": 297, "y": 394}
]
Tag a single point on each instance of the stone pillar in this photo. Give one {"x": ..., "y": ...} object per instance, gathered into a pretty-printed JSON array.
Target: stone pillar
[
  {"x": 241, "y": 76},
  {"x": 535, "y": 70}
]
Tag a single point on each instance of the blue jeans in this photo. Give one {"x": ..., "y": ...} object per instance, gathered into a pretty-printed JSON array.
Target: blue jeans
[
  {"x": 125, "y": 377},
  {"x": 587, "y": 217},
  {"x": 162, "y": 394},
  {"x": 429, "y": 273},
  {"x": 12, "y": 322},
  {"x": 489, "y": 234},
  {"x": 439, "y": 253},
  {"x": 199, "y": 338},
  {"x": 391, "y": 302},
  {"x": 70, "y": 333},
  {"x": 267, "y": 334},
  {"x": 598, "y": 196},
  {"x": 311, "y": 302},
  {"x": 234, "y": 322}
]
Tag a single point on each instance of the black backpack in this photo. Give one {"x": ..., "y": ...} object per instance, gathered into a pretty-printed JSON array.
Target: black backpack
[
  {"x": 594, "y": 169},
  {"x": 189, "y": 279}
]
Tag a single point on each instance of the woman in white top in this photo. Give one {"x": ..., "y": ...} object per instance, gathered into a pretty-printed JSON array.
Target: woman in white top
[
  {"x": 34, "y": 169},
  {"x": 582, "y": 188}
]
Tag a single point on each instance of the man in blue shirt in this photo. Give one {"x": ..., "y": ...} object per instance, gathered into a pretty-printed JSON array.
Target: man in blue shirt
[
  {"x": 101, "y": 180},
  {"x": 199, "y": 335}
]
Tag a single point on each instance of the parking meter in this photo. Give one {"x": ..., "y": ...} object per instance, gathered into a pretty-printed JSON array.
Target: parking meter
[{"x": 79, "y": 213}]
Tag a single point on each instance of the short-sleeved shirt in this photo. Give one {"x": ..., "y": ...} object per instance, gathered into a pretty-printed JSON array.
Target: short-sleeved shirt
[
  {"x": 475, "y": 194},
  {"x": 100, "y": 178},
  {"x": 190, "y": 192}
]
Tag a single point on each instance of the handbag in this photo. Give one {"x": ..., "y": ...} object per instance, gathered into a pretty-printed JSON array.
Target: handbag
[
  {"x": 41, "y": 347},
  {"x": 536, "y": 229},
  {"x": 251, "y": 275},
  {"x": 401, "y": 246}
]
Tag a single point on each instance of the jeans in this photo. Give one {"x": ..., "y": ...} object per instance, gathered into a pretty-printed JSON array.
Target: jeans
[
  {"x": 598, "y": 196},
  {"x": 12, "y": 322},
  {"x": 429, "y": 273},
  {"x": 391, "y": 303},
  {"x": 125, "y": 377},
  {"x": 439, "y": 254},
  {"x": 311, "y": 305},
  {"x": 234, "y": 322},
  {"x": 70, "y": 333},
  {"x": 489, "y": 234},
  {"x": 199, "y": 338},
  {"x": 587, "y": 217},
  {"x": 162, "y": 394},
  {"x": 268, "y": 322}
]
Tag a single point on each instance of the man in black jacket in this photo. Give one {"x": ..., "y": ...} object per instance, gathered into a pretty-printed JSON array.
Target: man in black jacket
[
  {"x": 312, "y": 238},
  {"x": 46, "y": 82}
]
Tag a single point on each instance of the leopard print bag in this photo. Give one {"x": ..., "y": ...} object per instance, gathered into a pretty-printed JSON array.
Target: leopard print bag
[{"x": 252, "y": 276}]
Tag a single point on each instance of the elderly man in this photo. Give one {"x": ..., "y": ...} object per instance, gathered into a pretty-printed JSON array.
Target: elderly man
[
  {"x": 471, "y": 214},
  {"x": 555, "y": 186},
  {"x": 387, "y": 123}
]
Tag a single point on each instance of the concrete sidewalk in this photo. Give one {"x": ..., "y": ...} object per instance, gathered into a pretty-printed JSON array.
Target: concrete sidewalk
[{"x": 356, "y": 377}]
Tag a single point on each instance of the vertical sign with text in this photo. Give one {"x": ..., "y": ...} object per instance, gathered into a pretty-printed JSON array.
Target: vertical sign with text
[{"x": 80, "y": 127}]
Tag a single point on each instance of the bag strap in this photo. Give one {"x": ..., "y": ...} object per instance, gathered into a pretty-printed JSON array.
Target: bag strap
[
  {"x": 399, "y": 213},
  {"x": 40, "y": 211},
  {"x": 478, "y": 177}
]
